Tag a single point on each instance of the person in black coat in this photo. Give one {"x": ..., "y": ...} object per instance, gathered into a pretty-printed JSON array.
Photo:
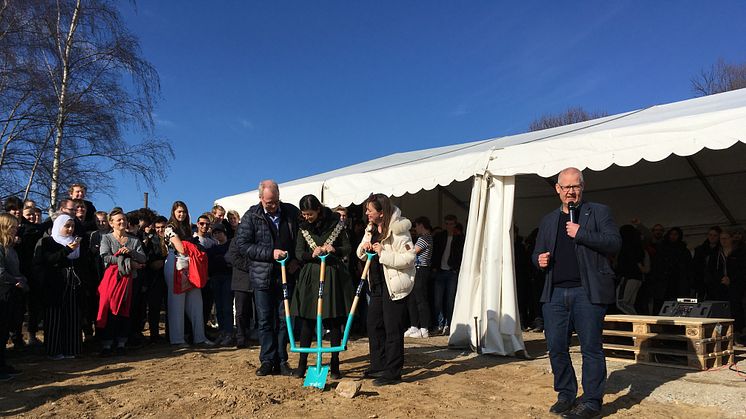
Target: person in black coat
[
  {"x": 448, "y": 250},
  {"x": 321, "y": 232},
  {"x": 30, "y": 234},
  {"x": 220, "y": 272},
  {"x": 671, "y": 269},
  {"x": 267, "y": 232},
  {"x": 57, "y": 259},
  {"x": 242, "y": 294}
]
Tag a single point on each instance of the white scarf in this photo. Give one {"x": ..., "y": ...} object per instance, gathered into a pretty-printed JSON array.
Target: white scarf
[{"x": 60, "y": 222}]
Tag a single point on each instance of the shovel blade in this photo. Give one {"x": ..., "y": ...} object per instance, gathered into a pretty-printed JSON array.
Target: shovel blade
[{"x": 316, "y": 377}]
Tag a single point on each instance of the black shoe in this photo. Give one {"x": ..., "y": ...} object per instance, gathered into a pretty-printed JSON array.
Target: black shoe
[
  {"x": 561, "y": 407},
  {"x": 372, "y": 374},
  {"x": 264, "y": 369},
  {"x": 120, "y": 351},
  {"x": 10, "y": 370},
  {"x": 284, "y": 369},
  {"x": 105, "y": 353},
  {"x": 300, "y": 372},
  {"x": 384, "y": 381},
  {"x": 582, "y": 411},
  {"x": 241, "y": 344},
  {"x": 336, "y": 375}
]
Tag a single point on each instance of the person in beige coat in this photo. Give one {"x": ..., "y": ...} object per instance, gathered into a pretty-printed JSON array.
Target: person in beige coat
[{"x": 390, "y": 279}]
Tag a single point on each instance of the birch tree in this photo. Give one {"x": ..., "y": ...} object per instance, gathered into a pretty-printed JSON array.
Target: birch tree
[{"x": 92, "y": 105}]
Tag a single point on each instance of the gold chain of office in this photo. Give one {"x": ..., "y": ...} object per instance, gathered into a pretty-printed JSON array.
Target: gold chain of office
[{"x": 333, "y": 236}]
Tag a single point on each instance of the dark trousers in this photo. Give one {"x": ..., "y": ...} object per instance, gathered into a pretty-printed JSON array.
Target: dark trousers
[
  {"x": 418, "y": 304},
  {"x": 221, "y": 290},
  {"x": 244, "y": 301},
  {"x": 273, "y": 334},
  {"x": 18, "y": 310},
  {"x": 386, "y": 325},
  {"x": 444, "y": 295},
  {"x": 208, "y": 298},
  {"x": 138, "y": 307},
  {"x": 117, "y": 328},
  {"x": 6, "y": 308},
  {"x": 155, "y": 297},
  {"x": 36, "y": 311},
  {"x": 568, "y": 310},
  {"x": 308, "y": 335}
]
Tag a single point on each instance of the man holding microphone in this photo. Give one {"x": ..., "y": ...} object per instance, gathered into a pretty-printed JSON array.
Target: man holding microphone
[{"x": 572, "y": 248}]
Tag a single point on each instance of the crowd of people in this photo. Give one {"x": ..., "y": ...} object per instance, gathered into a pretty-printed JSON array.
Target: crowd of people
[{"x": 116, "y": 279}]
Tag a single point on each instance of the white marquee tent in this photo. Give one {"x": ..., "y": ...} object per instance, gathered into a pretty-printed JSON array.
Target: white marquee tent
[{"x": 682, "y": 164}]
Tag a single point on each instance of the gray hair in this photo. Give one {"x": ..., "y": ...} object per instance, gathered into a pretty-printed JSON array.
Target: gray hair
[
  {"x": 569, "y": 170},
  {"x": 268, "y": 184}
]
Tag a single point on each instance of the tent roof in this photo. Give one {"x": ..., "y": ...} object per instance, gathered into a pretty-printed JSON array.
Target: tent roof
[{"x": 682, "y": 128}]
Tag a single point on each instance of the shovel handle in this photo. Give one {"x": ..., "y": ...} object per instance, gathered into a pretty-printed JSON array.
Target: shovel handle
[
  {"x": 322, "y": 274},
  {"x": 285, "y": 295},
  {"x": 370, "y": 256}
]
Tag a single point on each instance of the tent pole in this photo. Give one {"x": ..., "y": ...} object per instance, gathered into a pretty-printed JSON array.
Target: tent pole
[{"x": 710, "y": 190}]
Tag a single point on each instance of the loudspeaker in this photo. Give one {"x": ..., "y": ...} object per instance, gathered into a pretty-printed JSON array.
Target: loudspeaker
[{"x": 707, "y": 309}]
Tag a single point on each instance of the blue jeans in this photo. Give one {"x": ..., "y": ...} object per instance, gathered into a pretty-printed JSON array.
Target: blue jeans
[
  {"x": 221, "y": 291},
  {"x": 444, "y": 296},
  {"x": 273, "y": 334},
  {"x": 570, "y": 309}
]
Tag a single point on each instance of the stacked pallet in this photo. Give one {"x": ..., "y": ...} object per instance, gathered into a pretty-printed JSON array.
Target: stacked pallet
[{"x": 679, "y": 342}]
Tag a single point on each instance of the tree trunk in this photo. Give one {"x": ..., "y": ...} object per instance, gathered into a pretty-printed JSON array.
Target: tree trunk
[{"x": 62, "y": 106}]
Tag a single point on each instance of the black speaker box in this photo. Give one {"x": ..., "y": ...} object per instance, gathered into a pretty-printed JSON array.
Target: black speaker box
[{"x": 706, "y": 309}]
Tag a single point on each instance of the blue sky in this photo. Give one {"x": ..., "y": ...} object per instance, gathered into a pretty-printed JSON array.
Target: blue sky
[{"x": 287, "y": 89}]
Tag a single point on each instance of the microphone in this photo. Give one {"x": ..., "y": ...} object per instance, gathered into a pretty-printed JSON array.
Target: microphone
[{"x": 571, "y": 209}]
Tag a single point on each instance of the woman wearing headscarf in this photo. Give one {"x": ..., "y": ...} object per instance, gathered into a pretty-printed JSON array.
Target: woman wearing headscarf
[
  {"x": 391, "y": 279},
  {"x": 187, "y": 300},
  {"x": 122, "y": 254},
  {"x": 59, "y": 258},
  {"x": 321, "y": 233}
]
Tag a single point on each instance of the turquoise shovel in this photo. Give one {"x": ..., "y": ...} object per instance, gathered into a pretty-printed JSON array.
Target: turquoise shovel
[{"x": 316, "y": 376}]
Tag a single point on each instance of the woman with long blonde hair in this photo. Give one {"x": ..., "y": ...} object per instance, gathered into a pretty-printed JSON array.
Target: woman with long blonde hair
[{"x": 10, "y": 279}]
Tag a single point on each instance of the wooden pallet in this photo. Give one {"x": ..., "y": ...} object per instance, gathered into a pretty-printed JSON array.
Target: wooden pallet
[{"x": 679, "y": 342}]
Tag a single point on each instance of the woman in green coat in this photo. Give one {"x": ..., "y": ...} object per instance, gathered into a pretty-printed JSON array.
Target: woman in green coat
[{"x": 321, "y": 232}]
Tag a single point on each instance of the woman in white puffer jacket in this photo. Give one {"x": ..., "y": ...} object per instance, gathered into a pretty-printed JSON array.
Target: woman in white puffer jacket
[{"x": 390, "y": 279}]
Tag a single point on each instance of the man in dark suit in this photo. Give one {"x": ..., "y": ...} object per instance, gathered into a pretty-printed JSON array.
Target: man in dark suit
[{"x": 578, "y": 286}]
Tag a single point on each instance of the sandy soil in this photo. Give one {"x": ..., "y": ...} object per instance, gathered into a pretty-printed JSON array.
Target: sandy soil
[{"x": 439, "y": 382}]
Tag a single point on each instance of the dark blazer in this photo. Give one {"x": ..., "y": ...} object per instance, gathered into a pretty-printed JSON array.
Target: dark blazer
[
  {"x": 597, "y": 237},
  {"x": 255, "y": 242},
  {"x": 439, "y": 246}
]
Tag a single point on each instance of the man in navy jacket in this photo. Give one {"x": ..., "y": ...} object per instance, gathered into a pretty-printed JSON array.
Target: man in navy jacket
[
  {"x": 578, "y": 286},
  {"x": 267, "y": 232}
]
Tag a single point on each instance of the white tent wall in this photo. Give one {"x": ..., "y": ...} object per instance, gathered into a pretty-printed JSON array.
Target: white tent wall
[{"x": 486, "y": 284}]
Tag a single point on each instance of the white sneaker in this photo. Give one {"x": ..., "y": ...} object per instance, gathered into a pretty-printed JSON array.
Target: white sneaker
[
  {"x": 411, "y": 332},
  {"x": 424, "y": 333}
]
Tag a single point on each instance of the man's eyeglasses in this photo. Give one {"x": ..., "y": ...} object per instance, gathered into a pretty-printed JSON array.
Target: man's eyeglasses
[
  {"x": 204, "y": 224},
  {"x": 568, "y": 188}
]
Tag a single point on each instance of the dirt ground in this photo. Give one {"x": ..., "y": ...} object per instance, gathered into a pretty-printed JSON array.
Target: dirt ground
[{"x": 439, "y": 382}]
